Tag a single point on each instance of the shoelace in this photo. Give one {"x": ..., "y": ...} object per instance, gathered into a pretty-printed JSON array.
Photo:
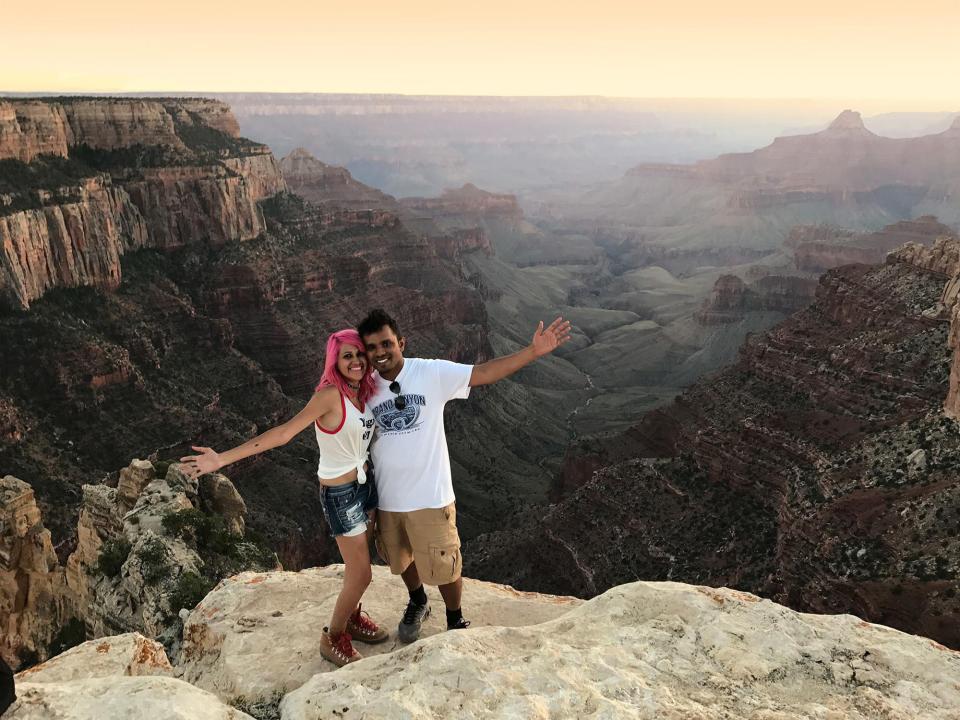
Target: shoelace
[
  {"x": 363, "y": 620},
  {"x": 410, "y": 614},
  {"x": 344, "y": 646}
]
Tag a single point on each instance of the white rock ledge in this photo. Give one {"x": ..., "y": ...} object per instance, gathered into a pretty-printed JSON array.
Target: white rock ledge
[
  {"x": 653, "y": 651},
  {"x": 663, "y": 651},
  {"x": 256, "y": 634}
]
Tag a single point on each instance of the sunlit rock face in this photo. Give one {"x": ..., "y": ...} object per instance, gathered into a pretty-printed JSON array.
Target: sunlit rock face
[
  {"x": 159, "y": 288},
  {"x": 126, "y": 570},
  {"x": 640, "y": 650},
  {"x": 85, "y": 181},
  {"x": 652, "y": 650},
  {"x": 31, "y": 581},
  {"x": 256, "y": 634}
]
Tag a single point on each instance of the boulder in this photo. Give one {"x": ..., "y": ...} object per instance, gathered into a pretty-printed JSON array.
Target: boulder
[
  {"x": 130, "y": 654},
  {"x": 119, "y": 698},
  {"x": 218, "y": 495}
]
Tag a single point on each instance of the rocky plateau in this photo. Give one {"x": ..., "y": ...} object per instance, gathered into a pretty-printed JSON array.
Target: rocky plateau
[{"x": 640, "y": 650}]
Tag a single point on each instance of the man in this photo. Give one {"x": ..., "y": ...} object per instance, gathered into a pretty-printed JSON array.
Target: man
[{"x": 416, "y": 523}]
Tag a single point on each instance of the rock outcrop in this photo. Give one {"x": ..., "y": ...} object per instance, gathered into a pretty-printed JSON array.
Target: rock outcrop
[
  {"x": 137, "y": 557},
  {"x": 732, "y": 298},
  {"x": 845, "y": 157},
  {"x": 162, "y": 698},
  {"x": 942, "y": 260},
  {"x": 330, "y": 186},
  {"x": 88, "y": 180},
  {"x": 465, "y": 201},
  {"x": 641, "y": 650},
  {"x": 129, "y": 655},
  {"x": 254, "y": 634},
  {"x": 31, "y": 587},
  {"x": 652, "y": 650}
]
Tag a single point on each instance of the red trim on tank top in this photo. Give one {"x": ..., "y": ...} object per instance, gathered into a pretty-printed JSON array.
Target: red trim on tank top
[{"x": 343, "y": 419}]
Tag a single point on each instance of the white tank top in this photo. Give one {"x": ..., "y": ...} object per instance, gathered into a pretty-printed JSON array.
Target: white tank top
[{"x": 345, "y": 448}]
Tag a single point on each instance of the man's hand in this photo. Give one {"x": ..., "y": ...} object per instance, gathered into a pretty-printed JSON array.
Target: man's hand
[
  {"x": 206, "y": 462},
  {"x": 546, "y": 341}
]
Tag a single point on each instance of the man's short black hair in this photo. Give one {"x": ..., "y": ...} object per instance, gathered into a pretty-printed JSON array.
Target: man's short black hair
[{"x": 375, "y": 321}]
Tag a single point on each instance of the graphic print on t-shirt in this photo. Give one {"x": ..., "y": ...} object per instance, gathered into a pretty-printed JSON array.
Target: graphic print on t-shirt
[{"x": 391, "y": 420}]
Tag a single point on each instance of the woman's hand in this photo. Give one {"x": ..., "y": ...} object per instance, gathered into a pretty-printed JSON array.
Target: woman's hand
[{"x": 206, "y": 462}]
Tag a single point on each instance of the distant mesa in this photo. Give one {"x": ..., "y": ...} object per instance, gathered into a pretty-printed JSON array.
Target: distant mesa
[
  {"x": 848, "y": 120},
  {"x": 466, "y": 200},
  {"x": 834, "y": 163},
  {"x": 330, "y": 185}
]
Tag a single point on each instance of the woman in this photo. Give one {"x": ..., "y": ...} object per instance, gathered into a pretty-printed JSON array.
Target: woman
[{"x": 344, "y": 426}]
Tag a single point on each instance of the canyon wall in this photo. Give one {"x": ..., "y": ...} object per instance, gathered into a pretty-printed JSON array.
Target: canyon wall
[
  {"x": 817, "y": 470},
  {"x": 85, "y": 181},
  {"x": 818, "y": 248}
]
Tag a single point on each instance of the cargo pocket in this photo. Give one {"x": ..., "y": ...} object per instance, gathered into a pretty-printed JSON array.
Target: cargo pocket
[{"x": 445, "y": 563}]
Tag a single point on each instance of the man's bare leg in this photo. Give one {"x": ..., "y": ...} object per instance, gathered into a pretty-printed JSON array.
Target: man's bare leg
[
  {"x": 411, "y": 578},
  {"x": 452, "y": 594}
]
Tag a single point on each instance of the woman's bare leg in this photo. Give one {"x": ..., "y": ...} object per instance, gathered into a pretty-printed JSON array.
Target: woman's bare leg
[{"x": 356, "y": 579}]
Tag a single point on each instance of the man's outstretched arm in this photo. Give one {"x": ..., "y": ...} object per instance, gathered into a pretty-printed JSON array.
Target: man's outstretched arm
[{"x": 543, "y": 343}]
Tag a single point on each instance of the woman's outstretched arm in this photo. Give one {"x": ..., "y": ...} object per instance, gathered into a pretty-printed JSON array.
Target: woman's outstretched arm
[{"x": 324, "y": 401}]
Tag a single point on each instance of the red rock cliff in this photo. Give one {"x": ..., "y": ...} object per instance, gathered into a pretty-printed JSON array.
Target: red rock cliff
[{"x": 88, "y": 180}]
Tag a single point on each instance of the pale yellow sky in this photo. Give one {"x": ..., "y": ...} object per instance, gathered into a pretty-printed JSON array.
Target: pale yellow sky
[{"x": 817, "y": 49}]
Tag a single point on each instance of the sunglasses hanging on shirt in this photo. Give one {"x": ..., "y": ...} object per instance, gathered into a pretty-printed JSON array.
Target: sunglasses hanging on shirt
[{"x": 400, "y": 402}]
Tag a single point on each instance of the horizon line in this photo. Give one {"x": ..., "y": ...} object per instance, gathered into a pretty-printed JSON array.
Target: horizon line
[{"x": 649, "y": 98}]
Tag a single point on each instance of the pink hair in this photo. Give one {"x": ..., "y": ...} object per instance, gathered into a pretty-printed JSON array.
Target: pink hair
[{"x": 332, "y": 376}]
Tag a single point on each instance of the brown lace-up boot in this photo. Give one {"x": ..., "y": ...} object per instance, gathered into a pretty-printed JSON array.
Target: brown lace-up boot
[
  {"x": 338, "y": 650},
  {"x": 362, "y": 628}
]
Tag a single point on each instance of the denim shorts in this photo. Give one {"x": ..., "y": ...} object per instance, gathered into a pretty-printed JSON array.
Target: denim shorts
[{"x": 345, "y": 506}]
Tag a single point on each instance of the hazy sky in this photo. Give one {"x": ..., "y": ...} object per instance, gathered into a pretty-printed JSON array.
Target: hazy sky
[{"x": 762, "y": 49}]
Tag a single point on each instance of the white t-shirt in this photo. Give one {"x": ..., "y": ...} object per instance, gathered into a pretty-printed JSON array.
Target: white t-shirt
[{"x": 410, "y": 459}]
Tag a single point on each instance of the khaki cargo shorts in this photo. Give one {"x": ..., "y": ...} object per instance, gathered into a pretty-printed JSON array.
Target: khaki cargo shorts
[{"x": 428, "y": 537}]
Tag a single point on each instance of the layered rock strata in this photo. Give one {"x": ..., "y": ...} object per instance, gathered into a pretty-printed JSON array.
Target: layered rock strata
[
  {"x": 467, "y": 200},
  {"x": 328, "y": 185},
  {"x": 844, "y": 157},
  {"x": 816, "y": 470},
  {"x": 732, "y": 298},
  {"x": 85, "y": 181},
  {"x": 819, "y": 248},
  {"x": 209, "y": 344}
]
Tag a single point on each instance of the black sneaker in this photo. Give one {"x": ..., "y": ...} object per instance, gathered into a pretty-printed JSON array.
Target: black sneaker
[
  {"x": 460, "y": 624},
  {"x": 413, "y": 617}
]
